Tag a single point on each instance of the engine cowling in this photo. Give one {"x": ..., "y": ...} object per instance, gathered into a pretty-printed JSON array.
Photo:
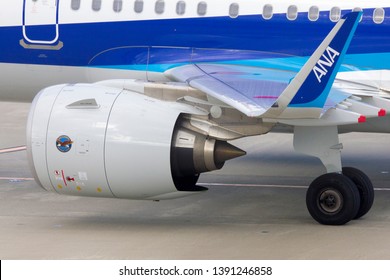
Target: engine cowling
[{"x": 91, "y": 140}]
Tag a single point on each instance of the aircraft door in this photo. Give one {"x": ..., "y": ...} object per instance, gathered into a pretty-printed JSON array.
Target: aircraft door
[{"x": 40, "y": 23}]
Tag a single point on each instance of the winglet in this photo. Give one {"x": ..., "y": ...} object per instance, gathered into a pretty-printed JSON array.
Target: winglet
[{"x": 310, "y": 88}]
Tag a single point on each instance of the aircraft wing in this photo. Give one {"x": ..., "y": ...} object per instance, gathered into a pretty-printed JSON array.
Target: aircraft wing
[
  {"x": 251, "y": 90},
  {"x": 285, "y": 95}
]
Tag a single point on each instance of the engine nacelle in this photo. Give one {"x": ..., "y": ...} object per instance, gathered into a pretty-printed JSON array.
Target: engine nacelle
[{"x": 91, "y": 140}]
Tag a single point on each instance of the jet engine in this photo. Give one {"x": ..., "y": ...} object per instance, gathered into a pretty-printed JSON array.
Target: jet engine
[{"x": 93, "y": 140}]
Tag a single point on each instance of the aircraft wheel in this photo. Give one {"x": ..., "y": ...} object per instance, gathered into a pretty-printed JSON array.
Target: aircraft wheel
[
  {"x": 365, "y": 187},
  {"x": 333, "y": 199}
]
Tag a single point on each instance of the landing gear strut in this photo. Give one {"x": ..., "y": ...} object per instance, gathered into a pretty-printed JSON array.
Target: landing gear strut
[{"x": 340, "y": 195}]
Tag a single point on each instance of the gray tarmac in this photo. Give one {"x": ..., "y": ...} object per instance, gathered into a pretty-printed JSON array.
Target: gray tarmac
[{"x": 254, "y": 209}]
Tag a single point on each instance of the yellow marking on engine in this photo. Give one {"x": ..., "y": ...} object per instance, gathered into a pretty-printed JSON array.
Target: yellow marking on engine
[
  {"x": 78, "y": 188},
  {"x": 99, "y": 189},
  {"x": 59, "y": 186}
]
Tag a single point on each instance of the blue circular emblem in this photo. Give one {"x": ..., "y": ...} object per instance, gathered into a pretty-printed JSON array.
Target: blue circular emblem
[{"x": 64, "y": 144}]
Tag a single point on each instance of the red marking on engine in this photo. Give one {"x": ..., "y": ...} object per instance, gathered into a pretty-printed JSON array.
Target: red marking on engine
[
  {"x": 63, "y": 177},
  {"x": 69, "y": 179}
]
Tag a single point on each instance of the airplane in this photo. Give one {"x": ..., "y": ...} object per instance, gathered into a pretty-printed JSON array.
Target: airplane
[{"x": 135, "y": 99}]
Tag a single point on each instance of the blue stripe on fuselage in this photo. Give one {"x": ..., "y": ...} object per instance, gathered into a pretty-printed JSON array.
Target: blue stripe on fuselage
[
  {"x": 352, "y": 62},
  {"x": 98, "y": 44}
]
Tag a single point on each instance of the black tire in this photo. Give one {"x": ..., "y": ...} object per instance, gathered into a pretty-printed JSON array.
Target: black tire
[
  {"x": 365, "y": 187},
  {"x": 333, "y": 199}
]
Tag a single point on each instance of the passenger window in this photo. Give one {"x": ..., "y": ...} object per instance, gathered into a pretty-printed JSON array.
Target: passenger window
[
  {"x": 267, "y": 11},
  {"x": 234, "y": 10},
  {"x": 160, "y": 7},
  {"x": 117, "y": 5},
  {"x": 75, "y": 5},
  {"x": 138, "y": 6},
  {"x": 292, "y": 12},
  {"x": 334, "y": 14},
  {"x": 379, "y": 15},
  {"x": 314, "y": 13},
  {"x": 181, "y": 8},
  {"x": 202, "y": 8},
  {"x": 96, "y": 5}
]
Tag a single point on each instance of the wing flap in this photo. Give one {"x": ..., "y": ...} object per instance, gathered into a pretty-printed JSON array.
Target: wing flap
[{"x": 251, "y": 90}]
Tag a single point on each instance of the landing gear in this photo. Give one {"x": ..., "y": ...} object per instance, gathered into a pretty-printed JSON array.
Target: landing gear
[
  {"x": 365, "y": 188},
  {"x": 344, "y": 193},
  {"x": 333, "y": 199}
]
